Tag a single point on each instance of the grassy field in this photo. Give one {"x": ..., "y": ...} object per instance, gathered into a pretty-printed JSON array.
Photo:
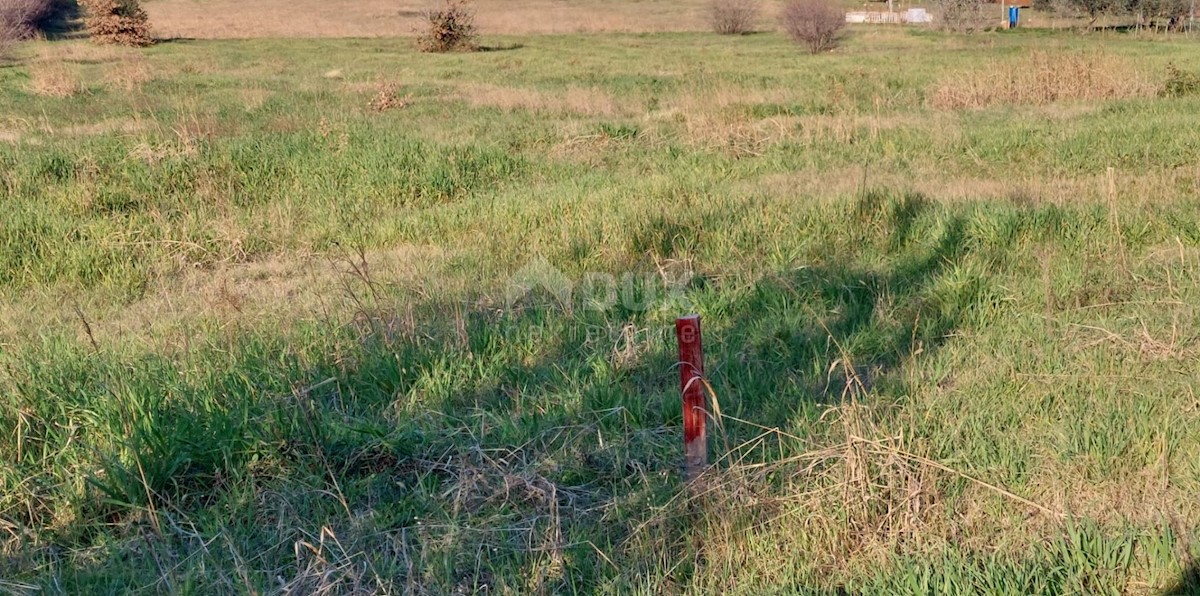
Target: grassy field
[
  {"x": 260, "y": 328},
  {"x": 236, "y": 19},
  {"x": 372, "y": 18}
]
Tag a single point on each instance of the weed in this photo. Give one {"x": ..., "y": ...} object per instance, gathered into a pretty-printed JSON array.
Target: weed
[
  {"x": 448, "y": 28},
  {"x": 389, "y": 97},
  {"x": 1042, "y": 78},
  {"x": 1180, "y": 83},
  {"x": 618, "y": 132}
]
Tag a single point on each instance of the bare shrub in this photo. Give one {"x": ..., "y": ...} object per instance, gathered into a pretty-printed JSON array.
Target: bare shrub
[
  {"x": 119, "y": 22},
  {"x": 1044, "y": 77},
  {"x": 733, "y": 17},
  {"x": 815, "y": 24},
  {"x": 591, "y": 101},
  {"x": 9, "y": 36},
  {"x": 962, "y": 16},
  {"x": 448, "y": 28},
  {"x": 19, "y": 19}
]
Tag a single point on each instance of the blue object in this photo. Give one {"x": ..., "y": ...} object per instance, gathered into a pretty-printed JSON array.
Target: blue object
[{"x": 1014, "y": 15}]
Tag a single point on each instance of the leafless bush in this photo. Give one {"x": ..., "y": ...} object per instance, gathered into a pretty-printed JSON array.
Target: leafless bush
[
  {"x": 733, "y": 17},
  {"x": 814, "y": 23},
  {"x": 119, "y": 22},
  {"x": 962, "y": 16},
  {"x": 448, "y": 28},
  {"x": 19, "y": 20},
  {"x": 8, "y": 38}
]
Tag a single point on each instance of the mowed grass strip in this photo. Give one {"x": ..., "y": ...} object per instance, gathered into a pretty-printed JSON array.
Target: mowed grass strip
[{"x": 258, "y": 331}]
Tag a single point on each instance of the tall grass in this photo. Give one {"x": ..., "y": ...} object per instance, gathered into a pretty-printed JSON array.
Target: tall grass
[{"x": 1046, "y": 77}]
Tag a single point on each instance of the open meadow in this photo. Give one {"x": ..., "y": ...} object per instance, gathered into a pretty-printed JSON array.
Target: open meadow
[{"x": 263, "y": 326}]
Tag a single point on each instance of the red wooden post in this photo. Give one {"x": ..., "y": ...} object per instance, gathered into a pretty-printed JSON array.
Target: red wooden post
[{"x": 695, "y": 415}]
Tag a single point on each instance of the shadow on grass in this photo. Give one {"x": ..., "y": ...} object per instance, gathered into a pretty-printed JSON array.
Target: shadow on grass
[
  {"x": 504, "y": 47},
  {"x": 792, "y": 327},
  {"x": 65, "y": 22},
  {"x": 1188, "y": 584},
  {"x": 427, "y": 432},
  {"x": 175, "y": 40}
]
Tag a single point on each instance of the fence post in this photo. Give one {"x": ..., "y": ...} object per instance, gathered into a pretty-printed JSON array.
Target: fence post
[{"x": 695, "y": 415}]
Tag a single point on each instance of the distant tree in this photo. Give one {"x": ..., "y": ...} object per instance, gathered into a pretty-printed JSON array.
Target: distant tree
[
  {"x": 1095, "y": 8},
  {"x": 1161, "y": 14},
  {"x": 962, "y": 16},
  {"x": 119, "y": 22}
]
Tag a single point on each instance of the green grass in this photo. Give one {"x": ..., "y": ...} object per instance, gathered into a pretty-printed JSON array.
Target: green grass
[{"x": 255, "y": 336}]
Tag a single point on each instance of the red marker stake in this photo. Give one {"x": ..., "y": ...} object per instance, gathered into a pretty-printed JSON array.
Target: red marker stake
[{"x": 691, "y": 371}]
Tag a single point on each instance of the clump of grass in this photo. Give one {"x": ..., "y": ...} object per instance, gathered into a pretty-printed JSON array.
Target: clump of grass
[
  {"x": 733, "y": 17},
  {"x": 129, "y": 72},
  {"x": 449, "y": 28},
  {"x": 1180, "y": 83},
  {"x": 1041, "y": 78},
  {"x": 617, "y": 132},
  {"x": 21, "y": 18},
  {"x": 49, "y": 77},
  {"x": 9, "y": 36},
  {"x": 388, "y": 96}
]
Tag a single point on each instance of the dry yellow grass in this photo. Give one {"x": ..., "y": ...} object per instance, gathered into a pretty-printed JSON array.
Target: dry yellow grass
[
  {"x": 54, "y": 78},
  {"x": 574, "y": 100},
  {"x": 931, "y": 182},
  {"x": 1044, "y": 77},
  {"x": 81, "y": 53},
  {"x": 229, "y": 294},
  {"x": 377, "y": 18},
  {"x": 129, "y": 72},
  {"x": 389, "y": 95},
  {"x": 55, "y": 72},
  {"x": 714, "y": 117}
]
